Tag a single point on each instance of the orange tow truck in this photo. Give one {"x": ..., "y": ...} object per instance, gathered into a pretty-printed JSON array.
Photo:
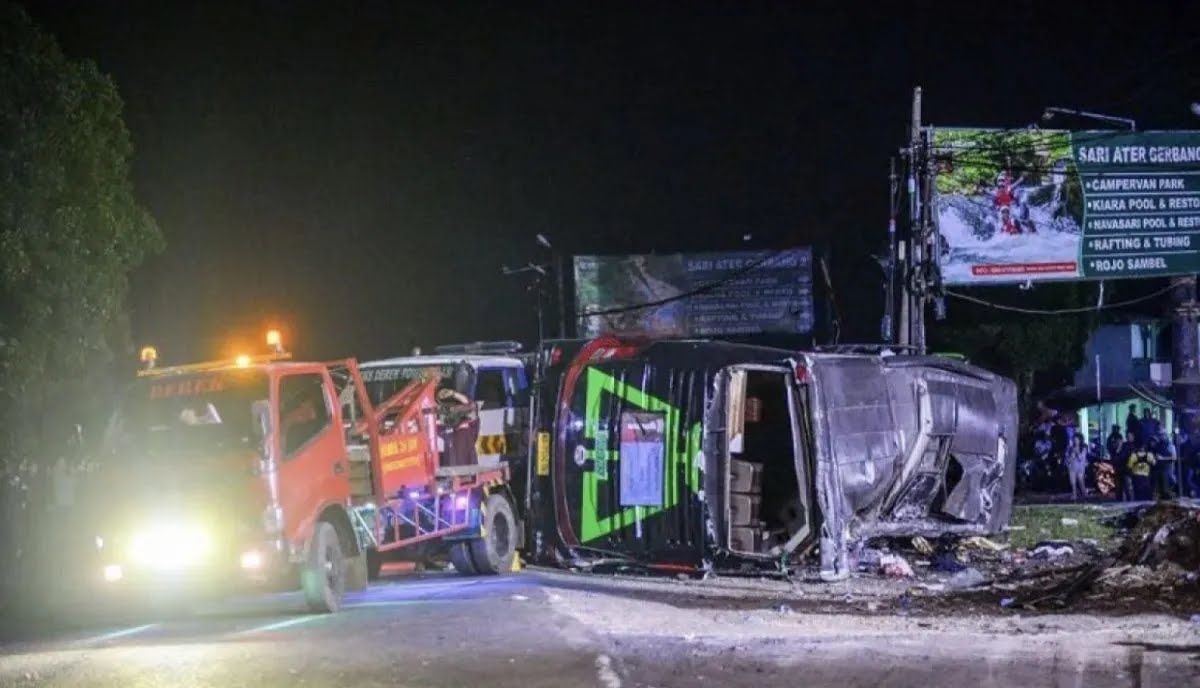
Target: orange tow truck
[{"x": 264, "y": 472}]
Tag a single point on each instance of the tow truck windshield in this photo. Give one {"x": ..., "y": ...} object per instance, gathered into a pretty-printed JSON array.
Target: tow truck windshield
[
  {"x": 203, "y": 412},
  {"x": 384, "y": 381}
]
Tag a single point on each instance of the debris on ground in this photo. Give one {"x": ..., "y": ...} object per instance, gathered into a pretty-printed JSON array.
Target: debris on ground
[
  {"x": 967, "y": 578},
  {"x": 895, "y": 566},
  {"x": 1158, "y": 562},
  {"x": 1152, "y": 565},
  {"x": 983, "y": 544},
  {"x": 1169, "y": 532},
  {"x": 869, "y": 559},
  {"x": 922, "y": 546},
  {"x": 1052, "y": 550},
  {"x": 946, "y": 562}
]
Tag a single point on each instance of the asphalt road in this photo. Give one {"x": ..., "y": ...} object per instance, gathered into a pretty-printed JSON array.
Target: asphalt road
[{"x": 550, "y": 629}]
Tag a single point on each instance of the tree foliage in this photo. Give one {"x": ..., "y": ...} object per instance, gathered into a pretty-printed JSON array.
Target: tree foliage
[
  {"x": 70, "y": 233},
  {"x": 1040, "y": 352}
]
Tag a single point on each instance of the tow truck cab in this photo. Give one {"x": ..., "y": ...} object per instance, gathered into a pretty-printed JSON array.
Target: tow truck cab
[
  {"x": 228, "y": 475},
  {"x": 490, "y": 375}
]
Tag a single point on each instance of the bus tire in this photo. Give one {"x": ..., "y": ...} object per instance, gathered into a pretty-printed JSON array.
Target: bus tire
[
  {"x": 374, "y": 563},
  {"x": 495, "y": 551},
  {"x": 460, "y": 556},
  {"x": 324, "y": 575}
]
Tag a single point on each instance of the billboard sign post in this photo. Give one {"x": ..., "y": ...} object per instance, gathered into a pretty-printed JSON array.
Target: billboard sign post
[
  {"x": 695, "y": 294},
  {"x": 1029, "y": 205}
]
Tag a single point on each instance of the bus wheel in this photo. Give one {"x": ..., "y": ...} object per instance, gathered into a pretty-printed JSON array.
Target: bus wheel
[
  {"x": 374, "y": 563},
  {"x": 324, "y": 574},
  {"x": 494, "y": 552},
  {"x": 460, "y": 556}
]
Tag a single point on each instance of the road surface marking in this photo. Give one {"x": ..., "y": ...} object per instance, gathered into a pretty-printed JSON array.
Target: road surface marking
[
  {"x": 117, "y": 634},
  {"x": 278, "y": 625},
  {"x": 608, "y": 675}
]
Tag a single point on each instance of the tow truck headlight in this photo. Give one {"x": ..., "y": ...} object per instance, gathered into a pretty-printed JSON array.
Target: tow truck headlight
[
  {"x": 252, "y": 560},
  {"x": 170, "y": 546}
]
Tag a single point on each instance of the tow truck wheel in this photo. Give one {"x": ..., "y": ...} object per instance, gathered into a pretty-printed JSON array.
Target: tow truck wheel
[
  {"x": 494, "y": 552},
  {"x": 460, "y": 556},
  {"x": 324, "y": 574}
]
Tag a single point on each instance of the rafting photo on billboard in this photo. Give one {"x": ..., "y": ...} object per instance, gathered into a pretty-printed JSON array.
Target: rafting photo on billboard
[{"x": 1009, "y": 205}]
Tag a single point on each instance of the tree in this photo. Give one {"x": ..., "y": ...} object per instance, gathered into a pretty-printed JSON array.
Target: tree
[
  {"x": 71, "y": 231},
  {"x": 1040, "y": 352}
]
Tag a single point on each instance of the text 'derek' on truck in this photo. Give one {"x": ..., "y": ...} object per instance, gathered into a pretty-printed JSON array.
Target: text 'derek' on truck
[
  {"x": 703, "y": 455},
  {"x": 237, "y": 474}
]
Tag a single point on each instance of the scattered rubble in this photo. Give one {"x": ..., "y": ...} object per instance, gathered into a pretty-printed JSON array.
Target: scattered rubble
[
  {"x": 967, "y": 578},
  {"x": 922, "y": 545},
  {"x": 1158, "y": 561},
  {"x": 1052, "y": 550},
  {"x": 983, "y": 544},
  {"x": 895, "y": 566},
  {"x": 946, "y": 562},
  {"x": 1152, "y": 565},
  {"x": 1155, "y": 566}
]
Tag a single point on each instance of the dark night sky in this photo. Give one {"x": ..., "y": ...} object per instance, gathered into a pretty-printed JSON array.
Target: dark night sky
[{"x": 360, "y": 171}]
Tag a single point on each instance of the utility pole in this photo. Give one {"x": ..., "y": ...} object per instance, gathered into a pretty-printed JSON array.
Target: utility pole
[
  {"x": 914, "y": 300},
  {"x": 1185, "y": 374},
  {"x": 560, "y": 278},
  {"x": 888, "y": 327},
  {"x": 559, "y": 267},
  {"x": 538, "y": 273}
]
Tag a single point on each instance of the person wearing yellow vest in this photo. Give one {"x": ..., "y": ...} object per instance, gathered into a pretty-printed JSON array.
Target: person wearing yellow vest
[{"x": 1141, "y": 463}]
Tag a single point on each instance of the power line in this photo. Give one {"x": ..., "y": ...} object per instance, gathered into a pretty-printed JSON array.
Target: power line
[
  {"x": 1060, "y": 311},
  {"x": 1036, "y": 138},
  {"x": 984, "y": 150}
]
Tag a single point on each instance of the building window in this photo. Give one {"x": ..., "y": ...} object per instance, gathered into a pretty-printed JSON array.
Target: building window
[{"x": 1143, "y": 341}]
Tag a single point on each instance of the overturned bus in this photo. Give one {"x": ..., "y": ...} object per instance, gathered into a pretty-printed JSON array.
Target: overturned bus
[{"x": 707, "y": 455}]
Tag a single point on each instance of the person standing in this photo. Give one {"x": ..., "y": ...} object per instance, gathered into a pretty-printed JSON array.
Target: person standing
[
  {"x": 1148, "y": 428},
  {"x": 1121, "y": 463},
  {"x": 1077, "y": 463},
  {"x": 1189, "y": 457},
  {"x": 1164, "y": 467},
  {"x": 1112, "y": 445},
  {"x": 459, "y": 418},
  {"x": 1141, "y": 463}
]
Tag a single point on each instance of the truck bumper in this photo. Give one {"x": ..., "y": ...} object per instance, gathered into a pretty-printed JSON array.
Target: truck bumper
[{"x": 258, "y": 569}]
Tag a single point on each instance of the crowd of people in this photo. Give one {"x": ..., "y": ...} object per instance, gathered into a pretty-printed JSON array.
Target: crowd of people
[{"x": 1143, "y": 461}]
